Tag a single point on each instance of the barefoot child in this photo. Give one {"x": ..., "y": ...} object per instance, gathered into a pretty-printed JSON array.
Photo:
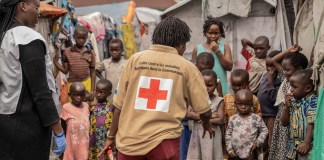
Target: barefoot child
[
  {"x": 206, "y": 148},
  {"x": 101, "y": 114},
  {"x": 79, "y": 62},
  {"x": 256, "y": 65},
  {"x": 246, "y": 131},
  {"x": 213, "y": 30},
  {"x": 291, "y": 61},
  {"x": 299, "y": 114},
  {"x": 76, "y": 116},
  {"x": 269, "y": 86},
  {"x": 113, "y": 65}
]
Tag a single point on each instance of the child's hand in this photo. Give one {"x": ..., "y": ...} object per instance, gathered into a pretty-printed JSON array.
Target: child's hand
[
  {"x": 254, "y": 147},
  {"x": 214, "y": 46},
  {"x": 232, "y": 155},
  {"x": 303, "y": 148},
  {"x": 288, "y": 99},
  {"x": 294, "y": 48}
]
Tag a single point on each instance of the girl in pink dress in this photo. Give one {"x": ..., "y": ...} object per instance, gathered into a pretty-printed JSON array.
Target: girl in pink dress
[{"x": 76, "y": 116}]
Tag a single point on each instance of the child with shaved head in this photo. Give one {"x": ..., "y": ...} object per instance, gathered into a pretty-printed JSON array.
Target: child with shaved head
[
  {"x": 256, "y": 59},
  {"x": 246, "y": 131}
]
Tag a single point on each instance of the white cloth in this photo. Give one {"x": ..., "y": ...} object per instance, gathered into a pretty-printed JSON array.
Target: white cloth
[{"x": 10, "y": 68}]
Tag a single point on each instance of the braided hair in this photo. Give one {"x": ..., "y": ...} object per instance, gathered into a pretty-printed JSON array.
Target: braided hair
[
  {"x": 171, "y": 32},
  {"x": 7, "y": 12},
  {"x": 210, "y": 21}
]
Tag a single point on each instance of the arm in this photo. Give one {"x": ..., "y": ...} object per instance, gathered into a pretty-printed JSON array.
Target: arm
[
  {"x": 219, "y": 89},
  {"x": 65, "y": 68},
  {"x": 226, "y": 59},
  {"x": 98, "y": 73},
  {"x": 194, "y": 55},
  {"x": 272, "y": 86},
  {"x": 219, "y": 115},
  {"x": 285, "y": 115},
  {"x": 278, "y": 58},
  {"x": 245, "y": 43},
  {"x": 228, "y": 138},
  {"x": 191, "y": 115},
  {"x": 263, "y": 132},
  {"x": 93, "y": 79},
  {"x": 32, "y": 59},
  {"x": 305, "y": 146}
]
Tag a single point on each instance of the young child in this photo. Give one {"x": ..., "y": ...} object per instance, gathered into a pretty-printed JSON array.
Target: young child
[
  {"x": 246, "y": 131},
  {"x": 204, "y": 61},
  {"x": 101, "y": 114},
  {"x": 269, "y": 86},
  {"x": 79, "y": 61},
  {"x": 113, "y": 65},
  {"x": 76, "y": 116},
  {"x": 213, "y": 30},
  {"x": 239, "y": 80},
  {"x": 256, "y": 65},
  {"x": 299, "y": 114},
  {"x": 291, "y": 61},
  {"x": 205, "y": 148}
]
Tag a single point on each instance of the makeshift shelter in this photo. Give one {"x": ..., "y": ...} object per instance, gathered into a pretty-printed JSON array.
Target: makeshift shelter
[{"x": 242, "y": 20}]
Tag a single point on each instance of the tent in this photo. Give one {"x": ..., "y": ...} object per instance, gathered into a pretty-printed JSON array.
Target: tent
[{"x": 262, "y": 17}]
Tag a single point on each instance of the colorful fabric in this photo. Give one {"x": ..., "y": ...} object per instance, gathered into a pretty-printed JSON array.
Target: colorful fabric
[
  {"x": 101, "y": 116},
  {"x": 206, "y": 148},
  {"x": 77, "y": 131},
  {"x": 279, "y": 142},
  {"x": 128, "y": 39},
  {"x": 318, "y": 147},
  {"x": 79, "y": 63},
  {"x": 247, "y": 54},
  {"x": 242, "y": 133},
  {"x": 230, "y": 109},
  {"x": 302, "y": 113},
  {"x": 218, "y": 69}
]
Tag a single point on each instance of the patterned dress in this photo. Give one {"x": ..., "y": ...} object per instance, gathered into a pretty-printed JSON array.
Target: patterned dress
[
  {"x": 279, "y": 142},
  {"x": 206, "y": 148},
  {"x": 100, "y": 122},
  {"x": 242, "y": 133}
]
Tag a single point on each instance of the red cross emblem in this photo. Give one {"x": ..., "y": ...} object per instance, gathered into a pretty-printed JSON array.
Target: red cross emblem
[{"x": 153, "y": 94}]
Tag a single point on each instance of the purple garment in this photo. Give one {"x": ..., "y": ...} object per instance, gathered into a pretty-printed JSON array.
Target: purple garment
[{"x": 267, "y": 95}]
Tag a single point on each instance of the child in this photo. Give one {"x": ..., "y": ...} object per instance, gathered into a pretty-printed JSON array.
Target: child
[
  {"x": 76, "y": 116},
  {"x": 246, "y": 131},
  {"x": 113, "y": 65},
  {"x": 299, "y": 114},
  {"x": 256, "y": 65},
  {"x": 101, "y": 114},
  {"x": 204, "y": 61},
  {"x": 206, "y": 148},
  {"x": 79, "y": 62},
  {"x": 269, "y": 86},
  {"x": 239, "y": 80},
  {"x": 292, "y": 61},
  {"x": 213, "y": 30}
]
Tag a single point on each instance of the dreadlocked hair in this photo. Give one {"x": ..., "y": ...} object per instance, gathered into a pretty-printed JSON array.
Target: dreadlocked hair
[
  {"x": 7, "y": 12},
  {"x": 210, "y": 21},
  {"x": 171, "y": 32}
]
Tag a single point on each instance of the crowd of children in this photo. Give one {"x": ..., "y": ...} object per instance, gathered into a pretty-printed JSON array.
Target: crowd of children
[{"x": 268, "y": 114}]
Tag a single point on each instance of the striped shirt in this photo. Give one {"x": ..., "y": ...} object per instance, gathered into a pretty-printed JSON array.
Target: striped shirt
[{"x": 79, "y": 63}]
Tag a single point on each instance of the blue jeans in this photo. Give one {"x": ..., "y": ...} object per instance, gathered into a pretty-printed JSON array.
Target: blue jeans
[{"x": 184, "y": 142}]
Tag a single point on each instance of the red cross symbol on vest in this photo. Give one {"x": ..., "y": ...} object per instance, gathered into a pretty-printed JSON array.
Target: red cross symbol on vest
[{"x": 153, "y": 94}]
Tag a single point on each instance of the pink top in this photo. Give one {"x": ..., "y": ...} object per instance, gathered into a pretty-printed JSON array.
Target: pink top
[{"x": 77, "y": 131}]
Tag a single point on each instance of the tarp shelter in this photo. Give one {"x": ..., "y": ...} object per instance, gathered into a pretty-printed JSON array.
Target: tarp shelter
[{"x": 262, "y": 17}]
